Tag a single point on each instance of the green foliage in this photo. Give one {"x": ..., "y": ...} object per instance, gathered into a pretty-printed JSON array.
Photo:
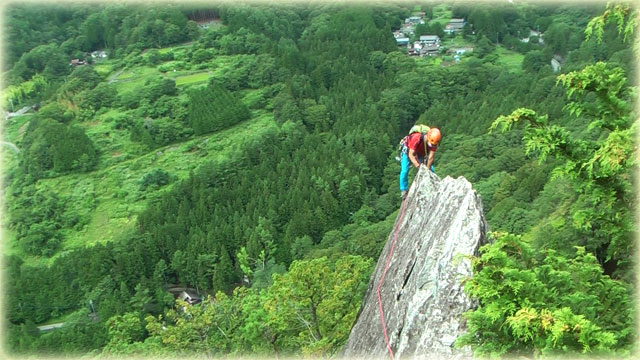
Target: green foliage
[
  {"x": 209, "y": 328},
  {"x": 153, "y": 90},
  {"x": 214, "y": 108},
  {"x": 103, "y": 95},
  {"x": 535, "y": 60},
  {"x": 622, "y": 14},
  {"x": 46, "y": 59},
  {"x": 55, "y": 111},
  {"x": 83, "y": 78},
  {"x": 156, "y": 177},
  {"x": 50, "y": 145},
  {"x": 36, "y": 217},
  {"x": 79, "y": 335},
  {"x": 545, "y": 303},
  {"x": 309, "y": 292},
  {"x": 600, "y": 169},
  {"x": 321, "y": 297},
  {"x": 319, "y": 183},
  {"x": 559, "y": 38},
  {"x": 124, "y": 329}
]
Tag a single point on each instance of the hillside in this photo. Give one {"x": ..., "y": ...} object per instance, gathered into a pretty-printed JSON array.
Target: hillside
[{"x": 247, "y": 155}]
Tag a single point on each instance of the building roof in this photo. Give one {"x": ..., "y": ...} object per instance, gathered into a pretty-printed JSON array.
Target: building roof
[
  {"x": 456, "y": 21},
  {"x": 429, "y": 38},
  {"x": 190, "y": 296}
]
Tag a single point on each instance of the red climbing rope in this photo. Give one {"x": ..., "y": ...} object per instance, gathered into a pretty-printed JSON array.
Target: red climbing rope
[{"x": 384, "y": 273}]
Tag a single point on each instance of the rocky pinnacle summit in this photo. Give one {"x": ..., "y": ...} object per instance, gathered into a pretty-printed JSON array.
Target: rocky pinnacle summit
[{"x": 417, "y": 284}]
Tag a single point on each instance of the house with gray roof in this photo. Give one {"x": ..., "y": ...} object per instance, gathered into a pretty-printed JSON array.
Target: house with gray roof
[
  {"x": 430, "y": 39},
  {"x": 402, "y": 41},
  {"x": 454, "y": 26}
]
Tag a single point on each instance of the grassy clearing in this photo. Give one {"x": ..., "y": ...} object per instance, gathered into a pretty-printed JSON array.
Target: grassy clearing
[
  {"x": 59, "y": 319},
  {"x": 173, "y": 74},
  {"x": 134, "y": 78},
  {"x": 116, "y": 189},
  {"x": 427, "y": 61},
  {"x": 103, "y": 69},
  {"x": 127, "y": 75},
  {"x": 442, "y": 14},
  {"x": 457, "y": 41},
  {"x": 12, "y": 132},
  {"x": 110, "y": 197},
  {"x": 14, "y": 128},
  {"x": 225, "y": 63},
  {"x": 115, "y": 145},
  {"x": 510, "y": 59},
  {"x": 9, "y": 247},
  {"x": 193, "y": 78},
  {"x": 102, "y": 226},
  {"x": 174, "y": 48}
]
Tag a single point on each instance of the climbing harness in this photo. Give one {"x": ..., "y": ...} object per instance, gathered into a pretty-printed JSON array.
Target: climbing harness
[
  {"x": 384, "y": 273},
  {"x": 402, "y": 146}
]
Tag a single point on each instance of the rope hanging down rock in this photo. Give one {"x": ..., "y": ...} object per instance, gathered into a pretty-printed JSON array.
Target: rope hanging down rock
[{"x": 384, "y": 273}]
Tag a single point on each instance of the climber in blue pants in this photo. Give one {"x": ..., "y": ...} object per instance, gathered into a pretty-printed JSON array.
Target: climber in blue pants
[{"x": 418, "y": 147}]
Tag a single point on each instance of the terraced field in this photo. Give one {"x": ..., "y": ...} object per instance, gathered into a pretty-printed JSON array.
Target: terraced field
[{"x": 111, "y": 196}]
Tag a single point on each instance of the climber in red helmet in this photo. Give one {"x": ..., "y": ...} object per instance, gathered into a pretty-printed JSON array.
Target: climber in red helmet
[{"x": 421, "y": 147}]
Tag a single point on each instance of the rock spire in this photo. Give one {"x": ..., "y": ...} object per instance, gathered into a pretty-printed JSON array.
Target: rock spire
[{"x": 417, "y": 284}]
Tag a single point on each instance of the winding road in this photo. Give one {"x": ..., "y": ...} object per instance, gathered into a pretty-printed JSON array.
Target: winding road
[
  {"x": 11, "y": 145},
  {"x": 50, "y": 326}
]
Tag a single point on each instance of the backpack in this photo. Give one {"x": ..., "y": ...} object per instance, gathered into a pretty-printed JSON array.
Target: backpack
[{"x": 402, "y": 146}]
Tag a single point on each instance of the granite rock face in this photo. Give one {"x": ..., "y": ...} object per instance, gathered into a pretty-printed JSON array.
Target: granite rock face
[{"x": 421, "y": 294}]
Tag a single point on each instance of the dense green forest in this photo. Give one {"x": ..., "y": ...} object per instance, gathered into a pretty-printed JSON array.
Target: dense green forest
[{"x": 248, "y": 152}]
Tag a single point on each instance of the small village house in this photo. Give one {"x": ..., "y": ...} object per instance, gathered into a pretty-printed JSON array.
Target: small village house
[
  {"x": 190, "y": 297},
  {"x": 417, "y": 48},
  {"x": 454, "y": 26},
  {"x": 460, "y": 50},
  {"x": 415, "y": 20},
  {"x": 403, "y": 41},
  {"x": 430, "y": 50},
  {"x": 407, "y": 29},
  {"x": 99, "y": 54},
  {"x": 430, "y": 40}
]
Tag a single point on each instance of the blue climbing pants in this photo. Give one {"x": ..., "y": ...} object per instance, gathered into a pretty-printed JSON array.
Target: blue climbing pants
[{"x": 404, "y": 172}]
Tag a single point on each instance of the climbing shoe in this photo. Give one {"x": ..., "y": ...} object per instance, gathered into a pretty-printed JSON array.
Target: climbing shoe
[{"x": 403, "y": 194}]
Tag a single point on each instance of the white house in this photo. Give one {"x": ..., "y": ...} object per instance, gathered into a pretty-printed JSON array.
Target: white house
[
  {"x": 99, "y": 54},
  {"x": 460, "y": 51},
  {"x": 190, "y": 297}
]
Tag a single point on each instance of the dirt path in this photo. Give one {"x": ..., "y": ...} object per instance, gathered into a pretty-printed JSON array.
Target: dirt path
[{"x": 113, "y": 78}]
